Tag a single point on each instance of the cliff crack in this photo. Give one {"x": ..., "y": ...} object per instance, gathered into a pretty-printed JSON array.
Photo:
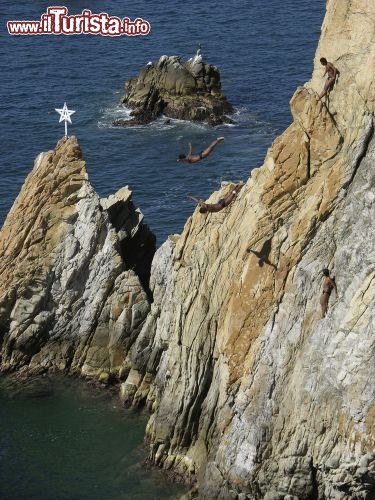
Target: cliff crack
[{"x": 363, "y": 148}]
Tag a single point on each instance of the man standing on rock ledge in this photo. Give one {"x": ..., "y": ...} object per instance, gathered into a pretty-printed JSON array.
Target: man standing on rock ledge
[{"x": 190, "y": 158}]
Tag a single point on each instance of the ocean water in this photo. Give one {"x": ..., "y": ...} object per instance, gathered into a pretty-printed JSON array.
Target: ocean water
[
  {"x": 264, "y": 50},
  {"x": 63, "y": 439}
]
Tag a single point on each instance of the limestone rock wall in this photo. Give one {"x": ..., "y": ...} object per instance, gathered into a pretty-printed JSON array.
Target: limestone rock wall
[
  {"x": 252, "y": 392},
  {"x": 69, "y": 297}
]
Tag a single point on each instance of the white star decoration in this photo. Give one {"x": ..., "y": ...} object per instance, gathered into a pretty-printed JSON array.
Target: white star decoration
[{"x": 65, "y": 114}]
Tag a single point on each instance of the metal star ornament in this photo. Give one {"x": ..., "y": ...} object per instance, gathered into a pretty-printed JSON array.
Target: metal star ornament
[{"x": 65, "y": 115}]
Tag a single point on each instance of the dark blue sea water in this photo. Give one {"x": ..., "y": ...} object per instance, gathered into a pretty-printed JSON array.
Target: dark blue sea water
[
  {"x": 263, "y": 48},
  {"x": 61, "y": 439}
]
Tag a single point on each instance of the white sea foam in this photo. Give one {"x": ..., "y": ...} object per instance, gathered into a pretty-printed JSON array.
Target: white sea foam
[{"x": 108, "y": 115}]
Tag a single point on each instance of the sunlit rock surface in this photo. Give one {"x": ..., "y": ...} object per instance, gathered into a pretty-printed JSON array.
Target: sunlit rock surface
[
  {"x": 70, "y": 298},
  {"x": 252, "y": 392}
]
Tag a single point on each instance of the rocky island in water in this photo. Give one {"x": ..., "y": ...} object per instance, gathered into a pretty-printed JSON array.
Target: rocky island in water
[
  {"x": 189, "y": 91},
  {"x": 251, "y": 394}
]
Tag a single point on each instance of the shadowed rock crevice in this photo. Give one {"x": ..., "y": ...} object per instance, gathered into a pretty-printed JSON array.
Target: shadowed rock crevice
[
  {"x": 193, "y": 412},
  {"x": 137, "y": 244},
  {"x": 368, "y": 135}
]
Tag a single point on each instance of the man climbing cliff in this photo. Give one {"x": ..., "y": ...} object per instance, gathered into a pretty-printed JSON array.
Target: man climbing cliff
[
  {"x": 332, "y": 72},
  {"x": 329, "y": 284}
]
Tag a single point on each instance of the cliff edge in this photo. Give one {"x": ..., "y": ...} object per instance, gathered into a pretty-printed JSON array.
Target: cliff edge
[{"x": 253, "y": 394}]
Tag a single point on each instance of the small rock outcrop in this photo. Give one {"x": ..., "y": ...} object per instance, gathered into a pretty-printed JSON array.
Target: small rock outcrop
[
  {"x": 70, "y": 295},
  {"x": 190, "y": 91}
]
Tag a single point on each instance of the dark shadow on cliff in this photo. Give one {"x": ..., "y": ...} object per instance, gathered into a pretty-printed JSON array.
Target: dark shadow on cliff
[
  {"x": 138, "y": 253},
  {"x": 137, "y": 242},
  {"x": 263, "y": 254}
]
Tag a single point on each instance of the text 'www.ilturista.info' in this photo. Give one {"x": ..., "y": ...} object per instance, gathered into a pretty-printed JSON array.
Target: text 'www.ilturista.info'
[{"x": 57, "y": 22}]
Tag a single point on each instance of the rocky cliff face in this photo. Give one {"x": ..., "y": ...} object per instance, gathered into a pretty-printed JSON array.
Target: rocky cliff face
[
  {"x": 189, "y": 91},
  {"x": 70, "y": 295},
  {"x": 252, "y": 392}
]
